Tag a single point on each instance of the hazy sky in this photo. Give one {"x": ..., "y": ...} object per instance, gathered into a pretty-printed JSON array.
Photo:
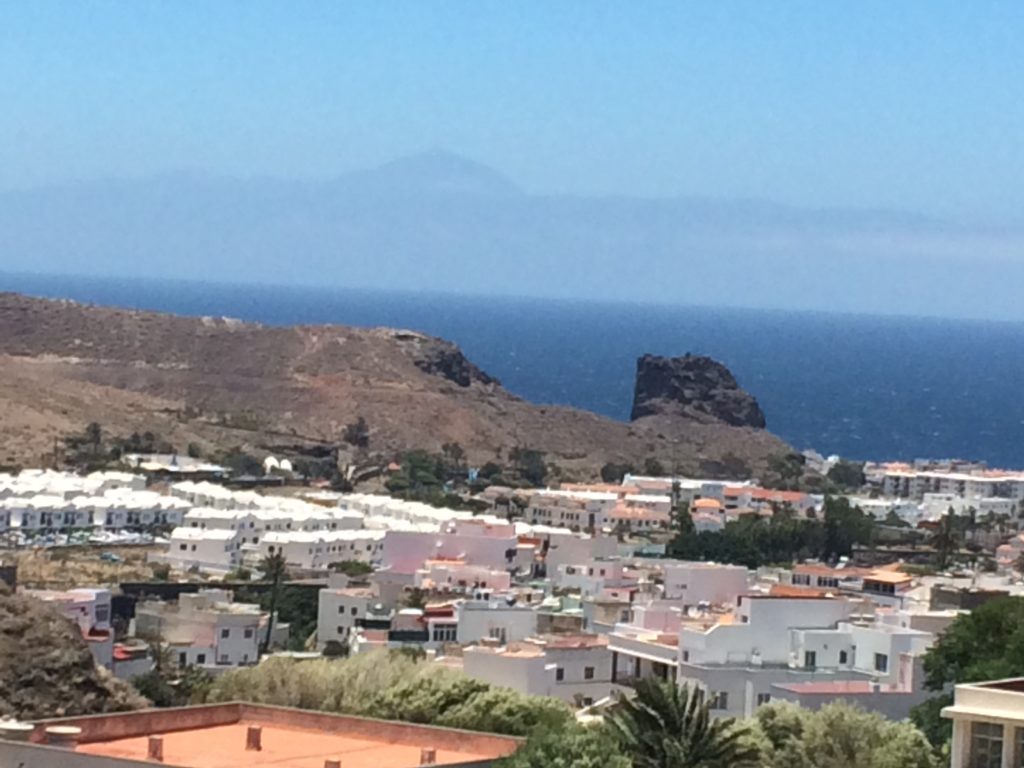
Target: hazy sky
[{"x": 917, "y": 105}]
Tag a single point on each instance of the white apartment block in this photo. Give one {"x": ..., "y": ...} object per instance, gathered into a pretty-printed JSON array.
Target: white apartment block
[
  {"x": 574, "y": 668},
  {"x": 782, "y": 647}
]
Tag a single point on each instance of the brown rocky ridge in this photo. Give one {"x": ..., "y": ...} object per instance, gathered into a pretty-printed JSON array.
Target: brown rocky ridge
[
  {"x": 46, "y": 668},
  {"x": 224, "y": 383}
]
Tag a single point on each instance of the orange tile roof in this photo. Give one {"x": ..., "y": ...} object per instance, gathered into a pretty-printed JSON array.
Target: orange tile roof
[
  {"x": 223, "y": 746},
  {"x": 707, "y": 504},
  {"x": 797, "y": 593}
]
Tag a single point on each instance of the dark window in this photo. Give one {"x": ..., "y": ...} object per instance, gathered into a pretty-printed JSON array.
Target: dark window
[
  {"x": 810, "y": 659},
  {"x": 248, "y": 634},
  {"x": 588, "y": 673},
  {"x": 225, "y": 633},
  {"x": 842, "y": 657},
  {"x": 719, "y": 700},
  {"x": 986, "y": 745},
  {"x": 200, "y": 658},
  {"x": 763, "y": 698},
  {"x": 353, "y": 610},
  {"x": 182, "y": 659},
  {"x": 881, "y": 662},
  {"x": 559, "y": 674}
]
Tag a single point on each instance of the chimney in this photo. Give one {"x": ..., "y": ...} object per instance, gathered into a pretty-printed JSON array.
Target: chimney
[
  {"x": 63, "y": 736},
  {"x": 332, "y": 763},
  {"x": 254, "y": 738},
  {"x": 428, "y": 756},
  {"x": 155, "y": 749}
]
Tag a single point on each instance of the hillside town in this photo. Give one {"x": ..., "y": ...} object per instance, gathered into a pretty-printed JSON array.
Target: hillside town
[{"x": 579, "y": 592}]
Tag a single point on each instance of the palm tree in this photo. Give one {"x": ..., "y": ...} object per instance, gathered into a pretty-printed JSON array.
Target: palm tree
[
  {"x": 667, "y": 726},
  {"x": 944, "y": 539},
  {"x": 275, "y": 570}
]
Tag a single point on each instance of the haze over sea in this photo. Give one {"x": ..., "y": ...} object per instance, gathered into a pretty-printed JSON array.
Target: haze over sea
[{"x": 860, "y": 386}]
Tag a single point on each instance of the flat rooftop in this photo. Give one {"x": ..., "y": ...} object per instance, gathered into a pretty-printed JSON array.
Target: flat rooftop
[{"x": 215, "y": 737}]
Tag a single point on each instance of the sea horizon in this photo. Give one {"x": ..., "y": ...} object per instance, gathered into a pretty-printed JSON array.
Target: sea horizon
[{"x": 867, "y": 387}]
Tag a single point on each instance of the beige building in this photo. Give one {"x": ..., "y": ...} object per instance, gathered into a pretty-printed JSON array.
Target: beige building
[{"x": 988, "y": 724}]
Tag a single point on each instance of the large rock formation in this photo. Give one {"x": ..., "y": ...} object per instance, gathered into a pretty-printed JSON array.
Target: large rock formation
[
  {"x": 695, "y": 387},
  {"x": 47, "y": 670}
]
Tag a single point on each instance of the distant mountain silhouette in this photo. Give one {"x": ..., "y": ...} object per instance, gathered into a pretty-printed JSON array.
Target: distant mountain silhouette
[{"x": 441, "y": 221}]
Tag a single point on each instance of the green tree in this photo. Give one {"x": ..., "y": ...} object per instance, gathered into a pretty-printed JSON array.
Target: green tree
[
  {"x": 576, "y": 746},
  {"x": 530, "y": 465},
  {"x": 653, "y": 467},
  {"x": 275, "y": 570},
  {"x": 352, "y": 568},
  {"x": 613, "y": 472},
  {"x": 357, "y": 434},
  {"x": 985, "y": 644},
  {"x": 847, "y": 474},
  {"x": 838, "y": 736},
  {"x": 94, "y": 436},
  {"x": 845, "y": 525},
  {"x": 668, "y": 726},
  {"x": 783, "y": 471}
]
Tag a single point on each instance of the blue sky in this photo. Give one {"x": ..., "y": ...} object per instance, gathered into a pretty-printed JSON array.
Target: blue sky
[{"x": 915, "y": 105}]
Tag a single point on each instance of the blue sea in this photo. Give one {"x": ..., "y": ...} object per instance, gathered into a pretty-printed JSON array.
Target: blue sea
[{"x": 863, "y": 387}]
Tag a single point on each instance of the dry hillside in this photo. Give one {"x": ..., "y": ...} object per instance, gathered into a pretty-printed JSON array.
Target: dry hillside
[{"x": 224, "y": 383}]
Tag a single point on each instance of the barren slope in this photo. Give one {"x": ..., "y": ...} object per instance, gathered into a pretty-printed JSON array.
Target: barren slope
[{"x": 226, "y": 383}]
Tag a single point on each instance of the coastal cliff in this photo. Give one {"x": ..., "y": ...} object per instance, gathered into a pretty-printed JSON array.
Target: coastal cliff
[
  {"x": 692, "y": 386},
  {"x": 224, "y": 384}
]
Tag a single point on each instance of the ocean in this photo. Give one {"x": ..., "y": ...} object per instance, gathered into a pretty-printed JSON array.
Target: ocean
[{"x": 861, "y": 386}]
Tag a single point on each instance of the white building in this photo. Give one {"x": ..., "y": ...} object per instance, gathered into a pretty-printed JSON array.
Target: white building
[
  {"x": 808, "y": 650},
  {"x": 341, "y": 609},
  {"x": 214, "y": 550},
  {"x": 90, "y": 610},
  {"x": 576, "y": 669},
  {"x": 499, "y": 619},
  {"x": 704, "y": 583},
  {"x": 207, "y": 629}
]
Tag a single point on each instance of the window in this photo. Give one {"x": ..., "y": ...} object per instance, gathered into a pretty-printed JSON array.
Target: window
[
  {"x": 183, "y": 547},
  {"x": 763, "y": 698},
  {"x": 182, "y": 659},
  {"x": 445, "y": 633},
  {"x": 200, "y": 658},
  {"x": 193, "y": 547},
  {"x": 686, "y": 656},
  {"x": 559, "y": 674},
  {"x": 225, "y": 633},
  {"x": 986, "y": 745},
  {"x": 588, "y": 673},
  {"x": 353, "y": 610},
  {"x": 587, "y": 701},
  {"x": 341, "y": 609},
  {"x": 719, "y": 700},
  {"x": 810, "y": 659},
  {"x": 881, "y": 662},
  {"x": 842, "y": 657},
  {"x": 801, "y": 579},
  {"x": 223, "y": 659},
  {"x": 248, "y": 633}
]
